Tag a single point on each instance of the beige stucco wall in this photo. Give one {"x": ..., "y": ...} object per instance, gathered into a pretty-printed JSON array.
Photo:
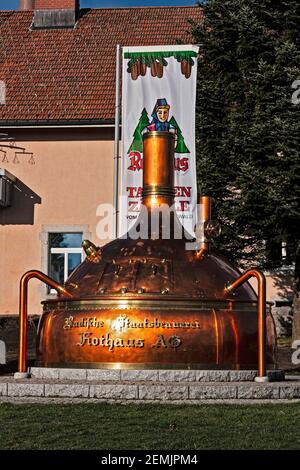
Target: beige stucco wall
[
  {"x": 279, "y": 286},
  {"x": 73, "y": 174}
]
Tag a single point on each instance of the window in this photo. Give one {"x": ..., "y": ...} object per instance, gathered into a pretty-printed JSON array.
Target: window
[
  {"x": 61, "y": 251},
  {"x": 65, "y": 254}
]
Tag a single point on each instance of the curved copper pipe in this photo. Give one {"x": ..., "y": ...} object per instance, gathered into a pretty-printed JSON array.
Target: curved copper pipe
[
  {"x": 261, "y": 280},
  {"x": 23, "y": 304}
]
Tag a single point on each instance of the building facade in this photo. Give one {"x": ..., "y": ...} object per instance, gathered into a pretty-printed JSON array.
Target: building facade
[
  {"x": 57, "y": 107},
  {"x": 57, "y": 67}
]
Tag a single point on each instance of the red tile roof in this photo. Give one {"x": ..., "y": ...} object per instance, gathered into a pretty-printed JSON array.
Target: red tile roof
[{"x": 69, "y": 74}]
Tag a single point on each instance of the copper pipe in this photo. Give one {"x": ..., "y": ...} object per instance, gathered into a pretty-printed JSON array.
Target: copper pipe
[
  {"x": 158, "y": 169},
  {"x": 93, "y": 252},
  {"x": 261, "y": 280},
  {"x": 204, "y": 217},
  {"x": 23, "y": 307}
]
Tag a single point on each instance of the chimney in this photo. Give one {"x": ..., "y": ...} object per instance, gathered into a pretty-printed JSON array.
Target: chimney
[
  {"x": 26, "y": 5},
  {"x": 49, "y": 14}
]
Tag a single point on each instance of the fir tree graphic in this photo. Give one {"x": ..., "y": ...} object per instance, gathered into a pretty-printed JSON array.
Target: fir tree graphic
[
  {"x": 180, "y": 147},
  {"x": 137, "y": 143}
]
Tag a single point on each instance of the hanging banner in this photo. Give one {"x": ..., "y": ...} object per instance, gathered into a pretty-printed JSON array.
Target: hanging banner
[{"x": 159, "y": 93}]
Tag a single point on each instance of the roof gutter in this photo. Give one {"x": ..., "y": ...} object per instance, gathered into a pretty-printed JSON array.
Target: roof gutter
[{"x": 58, "y": 124}]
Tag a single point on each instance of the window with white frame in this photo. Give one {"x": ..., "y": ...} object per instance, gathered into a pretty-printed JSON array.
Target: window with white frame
[{"x": 65, "y": 254}]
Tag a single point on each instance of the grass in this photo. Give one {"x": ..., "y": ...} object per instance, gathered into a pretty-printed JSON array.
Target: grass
[{"x": 149, "y": 426}]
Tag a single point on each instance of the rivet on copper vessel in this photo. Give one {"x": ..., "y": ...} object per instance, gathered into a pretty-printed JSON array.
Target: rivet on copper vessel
[
  {"x": 154, "y": 269},
  {"x": 123, "y": 290},
  {"x": 141, "y": 290},
  {"x": 74, "y": 285},
  {"x": 165, "y": 291}
]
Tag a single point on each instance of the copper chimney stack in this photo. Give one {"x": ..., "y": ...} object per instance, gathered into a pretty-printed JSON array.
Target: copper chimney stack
[
  {"x": 26, "y": 5},
  {"x": 158, "y": 194},
  {"x": 158, "y": 169}
]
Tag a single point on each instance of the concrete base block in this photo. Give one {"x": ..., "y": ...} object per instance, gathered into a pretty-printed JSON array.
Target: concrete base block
[
  {"x": 43, "y": 373},
  {"x": 262, "y": 379},
  {"x": 16, "y": 389},
  {"x": 3, "y": 389},
  {"x": 289, "y": 392},
  {"x": 150, "y": 375},
  {"x": 242, "y": 375},
  {"x": 103, "y": 375},
  {"x": 252, "y": 391},
  {"x": 67, "y": 390},
  {"x": 177, "y": 375},
  {"x": 116, "y": 392},
  {"x": 213, "y": 375},
  {"x": 139, "y": 375},
  {"x": 147, "y": 387},
  {"x": 163, "y": 392},
  {"x": 21, "y": 375},
  {"x": 72, "y": 374},
  {"x": 204, "y": 392}
]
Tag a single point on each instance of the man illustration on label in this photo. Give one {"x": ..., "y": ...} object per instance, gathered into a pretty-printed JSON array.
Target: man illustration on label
[
  {"x": 161, "y": 123},
  {"x": 160, "y": 115}
]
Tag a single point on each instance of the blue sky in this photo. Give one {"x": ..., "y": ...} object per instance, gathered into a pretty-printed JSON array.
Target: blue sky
[{"x": 13, "y": 4}]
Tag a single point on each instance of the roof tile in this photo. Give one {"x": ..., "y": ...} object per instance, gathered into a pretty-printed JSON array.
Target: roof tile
[{"x": 70, "y": 74}]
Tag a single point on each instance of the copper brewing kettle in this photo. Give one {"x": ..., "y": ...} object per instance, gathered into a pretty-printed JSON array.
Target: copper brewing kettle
[{"x": 149, "y": 302}]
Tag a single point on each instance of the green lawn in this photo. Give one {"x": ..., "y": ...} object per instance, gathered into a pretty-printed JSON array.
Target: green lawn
[{"x": 150, "y": 426}]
